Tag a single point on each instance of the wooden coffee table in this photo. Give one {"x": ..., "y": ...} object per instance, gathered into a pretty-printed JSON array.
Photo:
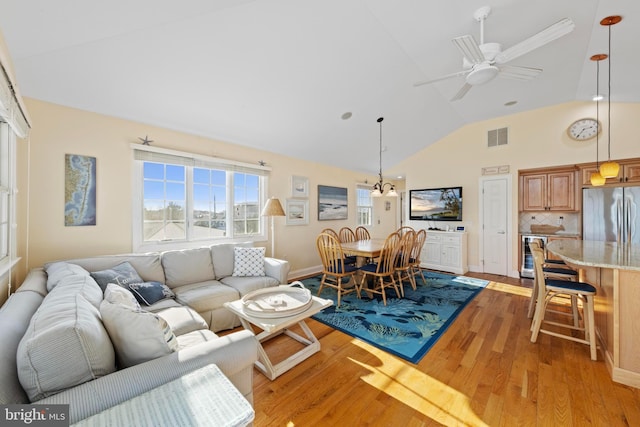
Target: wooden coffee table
[{"x": 272, "y": 327}]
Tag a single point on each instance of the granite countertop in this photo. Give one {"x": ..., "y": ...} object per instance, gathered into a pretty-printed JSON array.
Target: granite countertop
[
  {"x": 558, "y": 233},
  {"x": 597, "y": 254}
]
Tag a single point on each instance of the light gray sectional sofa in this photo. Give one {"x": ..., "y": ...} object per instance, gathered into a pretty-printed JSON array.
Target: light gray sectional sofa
[{"x": 80, "y": 332}]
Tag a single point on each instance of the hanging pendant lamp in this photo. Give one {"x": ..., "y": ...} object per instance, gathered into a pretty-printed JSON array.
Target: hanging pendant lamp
[
  {"x": 609, "y": 169},
  {"x": 378, "y": 187},
  {"x": 596, "y": 178}
]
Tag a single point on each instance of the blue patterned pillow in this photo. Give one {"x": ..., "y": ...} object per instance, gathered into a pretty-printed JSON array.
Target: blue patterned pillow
[
  {"x": 248, "y": 261},
  {"x": 149, "y": 293}
]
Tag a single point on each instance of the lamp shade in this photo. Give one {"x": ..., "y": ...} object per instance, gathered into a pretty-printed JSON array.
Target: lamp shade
[
  {"x": 273, "y": 208},
  {"x": 609, "y": 169},
  {"x": 597, "y": 179}
]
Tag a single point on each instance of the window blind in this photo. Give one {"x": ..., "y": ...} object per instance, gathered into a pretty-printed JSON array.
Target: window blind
[{"x": 12, "y": 109}]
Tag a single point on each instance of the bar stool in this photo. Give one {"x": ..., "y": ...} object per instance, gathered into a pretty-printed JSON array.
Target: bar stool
[{"x": 550, "y": 288}]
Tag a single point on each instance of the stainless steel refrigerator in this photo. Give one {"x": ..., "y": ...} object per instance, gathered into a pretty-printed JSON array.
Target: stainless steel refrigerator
[{"x": 610, "y": 214}]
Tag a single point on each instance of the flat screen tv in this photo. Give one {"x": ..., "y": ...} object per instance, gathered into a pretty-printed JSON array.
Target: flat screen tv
[{"x": 436, "y": 204}]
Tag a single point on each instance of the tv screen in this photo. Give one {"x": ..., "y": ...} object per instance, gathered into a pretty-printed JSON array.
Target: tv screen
[{"x": 436, "y": 204}]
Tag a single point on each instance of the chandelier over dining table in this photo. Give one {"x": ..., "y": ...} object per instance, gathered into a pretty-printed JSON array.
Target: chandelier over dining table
[{"x": 378, "y": 187}]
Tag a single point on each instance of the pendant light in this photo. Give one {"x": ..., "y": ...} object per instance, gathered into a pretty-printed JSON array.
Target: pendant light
[
  {"x": 378, "y": 187},
  {"x": 596, "y": 178},
  {"x": 609, "y": 169}
]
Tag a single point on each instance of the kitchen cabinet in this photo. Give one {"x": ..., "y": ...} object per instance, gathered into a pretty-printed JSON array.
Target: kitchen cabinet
[
  {"x": 445, "y": 251},
  {"x": 629, "y": 173},
  {"x": 548, "y": 191}
]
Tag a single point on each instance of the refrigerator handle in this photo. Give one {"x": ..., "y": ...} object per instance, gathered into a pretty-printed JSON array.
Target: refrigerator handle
[
  {"x": 620, "y": 224},
  {"x": 631, "y": 219}
]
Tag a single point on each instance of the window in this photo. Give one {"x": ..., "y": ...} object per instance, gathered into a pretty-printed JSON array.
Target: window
[
  {"x": 7, "y": 205},
  {"x": 364, "y": 205},
  {"x": 186, "y": 199}
]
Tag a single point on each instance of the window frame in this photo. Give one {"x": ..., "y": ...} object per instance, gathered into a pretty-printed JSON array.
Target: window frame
[
  {"x": 8, "y": 169},
  {"x": 367, "y": 188},
  {"x": 193, "y": 161}
]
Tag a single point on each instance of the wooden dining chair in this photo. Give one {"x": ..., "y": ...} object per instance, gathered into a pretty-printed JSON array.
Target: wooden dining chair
[
  {"x": 382, "y": 272},
  {"x": 418, "y": 243},
  {"x": 347, "y": 235},
  {"x": 403, "y": 261},
  {"x": 362, "y": 233},
  {"x": 334, "y": 268},
  {"x": 331, "y": 231},
  {"x": 548, "y": 289},
  {"x": 404, "y": 229}
]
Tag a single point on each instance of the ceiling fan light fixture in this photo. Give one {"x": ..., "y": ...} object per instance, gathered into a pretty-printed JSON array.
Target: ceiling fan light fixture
[{"x": 481, "y": 74}]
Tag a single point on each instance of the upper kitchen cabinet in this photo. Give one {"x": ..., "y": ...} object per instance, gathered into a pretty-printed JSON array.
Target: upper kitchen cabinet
[
  {"x": 548, "y": 190},
  {"x": 629, "y": 172}
]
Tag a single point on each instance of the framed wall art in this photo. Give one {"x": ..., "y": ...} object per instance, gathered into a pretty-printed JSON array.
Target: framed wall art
[
  {"x": 332, "y": 203},
  {"x": 299, "y": 186},
  {"x": 79, "y": 190},
  {"x": 297, "y": 212}
]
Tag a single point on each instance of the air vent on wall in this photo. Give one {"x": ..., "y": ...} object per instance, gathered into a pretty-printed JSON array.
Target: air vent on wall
[{"x": 497, "y": 137}]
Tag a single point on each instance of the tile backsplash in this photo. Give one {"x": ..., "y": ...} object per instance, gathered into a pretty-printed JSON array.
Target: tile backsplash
[{"x": 570, "y": 221}]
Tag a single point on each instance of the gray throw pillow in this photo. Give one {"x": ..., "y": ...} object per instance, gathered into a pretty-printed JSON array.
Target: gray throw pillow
[{"x": 122, "y": 274}]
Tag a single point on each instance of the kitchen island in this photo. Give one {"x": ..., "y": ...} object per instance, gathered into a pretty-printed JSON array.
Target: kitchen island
[{"x": 614, "y": 269}]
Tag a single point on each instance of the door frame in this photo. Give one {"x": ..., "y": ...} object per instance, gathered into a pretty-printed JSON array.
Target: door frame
[{"x": 509, "y": 228}]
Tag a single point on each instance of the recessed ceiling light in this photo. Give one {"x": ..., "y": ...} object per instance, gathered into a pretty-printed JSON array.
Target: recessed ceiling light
[
  {"x": 346, "y": 116},
  {"x": 510, "y": 103}
]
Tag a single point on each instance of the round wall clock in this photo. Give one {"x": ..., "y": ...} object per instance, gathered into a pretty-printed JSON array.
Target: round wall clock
[{"x": 584, "y": 129}]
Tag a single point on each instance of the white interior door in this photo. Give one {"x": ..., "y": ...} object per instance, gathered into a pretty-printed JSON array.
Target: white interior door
[{"x": 495, "y": 231}]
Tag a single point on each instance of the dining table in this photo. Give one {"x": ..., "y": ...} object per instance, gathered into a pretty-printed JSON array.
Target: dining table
[{"x": 363, "y": 249}]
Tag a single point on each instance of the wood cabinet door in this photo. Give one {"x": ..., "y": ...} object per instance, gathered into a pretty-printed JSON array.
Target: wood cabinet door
[
  {"x": 431, "y": 252},
  {"x": 450, "y": 255},
  {"x": 586, "y": 172},
  {"x": 534, "y": 192},
  {"x": 561, "y": 191},
  {"x": 631, "y": 172}
]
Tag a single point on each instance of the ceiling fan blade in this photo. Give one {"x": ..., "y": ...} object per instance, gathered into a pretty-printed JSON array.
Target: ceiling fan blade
[
  {"x": 549, "y": 34},
  {"x": 462, "y": 92},
  {"x": 445, "y": 77},
  {"x": 518, "y": 73},
  {"x": 469, "y": 48}
]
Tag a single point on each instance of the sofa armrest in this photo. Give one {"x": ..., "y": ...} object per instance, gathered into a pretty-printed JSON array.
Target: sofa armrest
[
  {"x": 277, "y": 268},
  {"x": 234, "y": 354}
]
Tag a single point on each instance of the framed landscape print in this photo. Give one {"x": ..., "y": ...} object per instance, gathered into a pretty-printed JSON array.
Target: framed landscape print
[
  {"x": 299, "y": 186},
  {"x": 297, "y": 212},
  {"x": 79, "y": 190},
  {"x": 332, "y": 203}
]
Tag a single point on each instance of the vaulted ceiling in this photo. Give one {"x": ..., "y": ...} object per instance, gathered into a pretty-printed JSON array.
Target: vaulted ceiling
[{"x": 279, "y": 74}]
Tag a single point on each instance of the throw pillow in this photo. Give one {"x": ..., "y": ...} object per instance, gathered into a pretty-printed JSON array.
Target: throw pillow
[
  {"x": 122, "y": 274},
  {"x": 149, "y": 293},
  {"x": 248, "y": 261},
  {"x": 137, "y": 336},
  {"x": 118, "y": 295}
]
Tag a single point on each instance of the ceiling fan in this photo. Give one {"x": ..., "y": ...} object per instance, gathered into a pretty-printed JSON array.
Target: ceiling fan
[{"x": 483, "y": 62}]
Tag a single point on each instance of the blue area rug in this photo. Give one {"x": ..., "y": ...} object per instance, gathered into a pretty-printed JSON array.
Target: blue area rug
[{"x": 406, "y": 327}]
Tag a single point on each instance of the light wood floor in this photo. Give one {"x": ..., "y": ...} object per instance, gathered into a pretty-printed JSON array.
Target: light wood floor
[{"x": 483, "y": 371}]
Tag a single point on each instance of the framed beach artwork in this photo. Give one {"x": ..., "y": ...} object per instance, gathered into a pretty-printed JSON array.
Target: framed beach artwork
[
  {"x": 297, "y": 212},
  {"x": 79, "y": 190},
  {"x": 332, "y": 203},
  {"x": 299, "y": 186}
]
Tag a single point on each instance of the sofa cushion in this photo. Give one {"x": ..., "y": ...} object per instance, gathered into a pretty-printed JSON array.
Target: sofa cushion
[
  {"x": 205, "y": 296},
  {"x": 244, "y": 285},
  {"x": 137, "y": 336},
  {"x": 65, "y": 345},
  {"x": 82, "y": 285},
  {"x": 182, "y": 319},
  {"x": 58, "y": 270},
  {"x": 223, "y": 255},
  {"x": 248, "y": 262},
  {"x": 149, "y": 293},
  {"x": 122, "y": 274},
  {"x": 187, "y": 266},
  {"x": 195, "y": 338},
  {"x": 147, "y": 265}
]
